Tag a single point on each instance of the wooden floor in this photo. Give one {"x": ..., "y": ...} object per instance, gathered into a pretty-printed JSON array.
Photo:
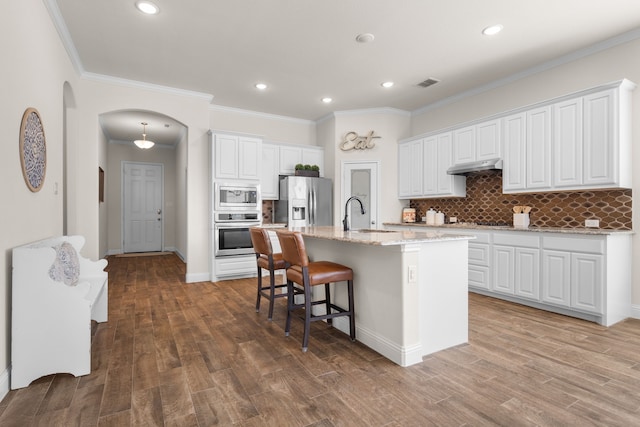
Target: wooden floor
[{"x": 198, "y": 354}]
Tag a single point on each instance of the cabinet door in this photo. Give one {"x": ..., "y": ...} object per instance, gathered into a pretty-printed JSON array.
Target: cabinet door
[
  {"x": 586, "y": 282},
  {"x": 416, "y": 168},
  {"x": 556, "y": 275},
  {"x": 450, "y": 185},
  {"x": 430, "y": 170},
  {"x": 538, "y": 148},
  {"x": 289, "y": 158},
  {"x": 313, "y": 156},
  {"x": 404, "y": 170},
  {"x": 514, "y": 167},
  {"x": 599, "y": 139},
  {"x": 527, "y": 274},
  {"x": 488, "y": 140},
  {"x": 464, "y": 145},
  {"x": 249, "y": 158},
  {"x": 503, "y": 269},
  {"x": 269, "y": 181},
  {"x": 479, "y": 277},
  {"x": 226, "y": 156},
  {"x": 567, "y": 143}
]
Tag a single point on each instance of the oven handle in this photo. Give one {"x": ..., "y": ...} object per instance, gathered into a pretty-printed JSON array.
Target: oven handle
[{"x": 231, "y": 224}]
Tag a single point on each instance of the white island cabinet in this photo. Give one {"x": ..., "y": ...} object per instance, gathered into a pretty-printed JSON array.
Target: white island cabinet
[{"x": 410, "y": 288}]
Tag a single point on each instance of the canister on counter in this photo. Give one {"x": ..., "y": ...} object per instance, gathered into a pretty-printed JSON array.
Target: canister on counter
[{"x": 408, "y": 215}]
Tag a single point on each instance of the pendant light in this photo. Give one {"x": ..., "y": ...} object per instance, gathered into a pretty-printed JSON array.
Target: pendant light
[{"x": 144, "y": 143}]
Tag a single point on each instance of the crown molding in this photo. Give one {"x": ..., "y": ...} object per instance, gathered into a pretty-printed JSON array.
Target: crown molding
[
  {"x": 102, "y": 78},
  {"x": 63, "y": 32},
  {"x": 224, "y": 109},
  {"x": 381, "y": 110},
  {"x": 573, "y": 56}
]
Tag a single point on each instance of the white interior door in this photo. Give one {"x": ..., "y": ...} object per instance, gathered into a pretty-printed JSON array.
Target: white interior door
[
  {"x": 142, "y": 206},
  {"x": 361, "y": 179}
]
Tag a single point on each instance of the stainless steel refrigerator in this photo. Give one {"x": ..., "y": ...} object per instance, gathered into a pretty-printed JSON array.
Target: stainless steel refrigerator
[{"x": 304, "y": 201}]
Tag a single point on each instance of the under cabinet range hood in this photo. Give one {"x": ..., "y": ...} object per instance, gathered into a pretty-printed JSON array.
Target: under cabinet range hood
[{"x": 472, "y": 167}]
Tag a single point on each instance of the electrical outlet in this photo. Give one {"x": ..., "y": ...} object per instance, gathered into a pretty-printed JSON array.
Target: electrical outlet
[
  {"x": 413, "y": 274},
  {"x": 453, "y": 219},
  {"x": 595, "y": 223}
]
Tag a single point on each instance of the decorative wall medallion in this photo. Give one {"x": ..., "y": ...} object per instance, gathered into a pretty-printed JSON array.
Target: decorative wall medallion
[{"x": 33, "y": 149}]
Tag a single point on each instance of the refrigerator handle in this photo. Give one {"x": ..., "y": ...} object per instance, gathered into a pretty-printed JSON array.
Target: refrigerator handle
[{"x": 312, "y": 208}]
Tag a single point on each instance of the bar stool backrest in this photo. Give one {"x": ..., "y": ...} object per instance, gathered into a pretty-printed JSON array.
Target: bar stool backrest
[
  {"x": 260, "y": 240},
  {"x": 293, "y": 249}
]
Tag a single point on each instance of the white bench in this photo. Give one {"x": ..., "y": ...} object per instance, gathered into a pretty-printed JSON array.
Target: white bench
[{"x": 56, "y": 293}]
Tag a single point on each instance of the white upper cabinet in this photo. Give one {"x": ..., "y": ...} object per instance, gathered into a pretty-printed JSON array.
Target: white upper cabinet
[
  {"x": 269, "y": 180},
  {"x": 410, "y": 169},
  {"x": 538, "y": 148},
  {"x": 289, "y": 158},
  {"x": 477, "y": 142},
  {"x": 567, "y": 138},
  {"x": 577, "y": 143},
  {"x": 464, "y": 145},
  {"x": 447, "y": 185},
  {"x": 514, "y": 165},
  {"x": 237, "y": 157},
  {"x": 313, "y": 156},
  {"x": 527, "y": 151},
  {"x": 488, "y": 140},
  {"x": 422, "y": 169}
]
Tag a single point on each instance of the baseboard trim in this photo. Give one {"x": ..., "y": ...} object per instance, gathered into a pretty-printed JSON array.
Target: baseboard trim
[
  {"x": 198, "y": 277},
  {"x": 4, "y": 383},
  {"x": 635, "y": 311}
]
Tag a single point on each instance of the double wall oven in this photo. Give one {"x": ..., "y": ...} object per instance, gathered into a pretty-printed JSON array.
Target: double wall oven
[{"x": 237, "y": 207}]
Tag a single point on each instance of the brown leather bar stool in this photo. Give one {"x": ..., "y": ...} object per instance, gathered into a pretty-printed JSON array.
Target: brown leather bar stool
[
  {"x": 307, "y": 274},
  {"x": 265, "y": 258}
]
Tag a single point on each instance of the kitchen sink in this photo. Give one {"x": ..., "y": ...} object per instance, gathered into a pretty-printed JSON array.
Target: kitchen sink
[{"x": 373, "y": 230}]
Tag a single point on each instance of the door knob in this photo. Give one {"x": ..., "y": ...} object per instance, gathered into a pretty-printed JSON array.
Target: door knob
[{"x": 159, "y": 211}]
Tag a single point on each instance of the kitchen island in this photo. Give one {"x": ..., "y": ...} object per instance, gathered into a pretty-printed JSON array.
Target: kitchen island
[{"x": 410, "y": 287}]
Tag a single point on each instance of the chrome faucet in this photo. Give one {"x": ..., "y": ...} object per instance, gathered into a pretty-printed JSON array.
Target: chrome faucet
[{"x": 345, "y": 221}]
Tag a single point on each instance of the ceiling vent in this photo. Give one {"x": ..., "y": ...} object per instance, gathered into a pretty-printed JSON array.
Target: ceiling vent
[{"x": 429, "y": 82}]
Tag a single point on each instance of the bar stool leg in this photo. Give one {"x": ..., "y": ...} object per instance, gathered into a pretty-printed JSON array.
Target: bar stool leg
[
  {"x": 327, "y": 294},
  {"x": 272, "y": 277},
  {"x": 352, "y": 318},
  {"x": 307, "y": 317},
  {"x": 259, "y": 289},
  {"x": 287, "y": 327}
]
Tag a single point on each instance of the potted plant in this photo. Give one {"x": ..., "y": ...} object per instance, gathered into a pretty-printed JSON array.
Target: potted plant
[{"x": 307, "y": 170}]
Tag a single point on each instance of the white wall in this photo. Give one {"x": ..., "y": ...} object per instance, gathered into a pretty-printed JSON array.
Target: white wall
[
  {"x": 34, "y": 69},
  {"x": 118, "y": 153},
  {"x": 270, "y": 127},
  {"x": 392, "y": 126},
  {"x": 613, "y": 64},
  {"x": 100, "y": 96}
]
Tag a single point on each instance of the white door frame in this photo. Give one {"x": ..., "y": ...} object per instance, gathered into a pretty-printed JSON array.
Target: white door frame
[
  {"x": 373, "y": 165},
  {"x": 122, "y": 199}
]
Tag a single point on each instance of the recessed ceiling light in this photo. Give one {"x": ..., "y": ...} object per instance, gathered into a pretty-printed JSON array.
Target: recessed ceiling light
[
  {"x": 386, "y": 84},
  {"x": 492, "y": 30},
  {"x": 147, "y": 7},
  {"x": 365, "y": 38},
  {"x": 261, "y": 86},
  {"x": 326, "y": 100}
]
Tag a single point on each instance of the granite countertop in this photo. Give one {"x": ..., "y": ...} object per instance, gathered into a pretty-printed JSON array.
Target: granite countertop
[
  {"x": 583, "y": 231},
  {"x": 379, "y": 237}
]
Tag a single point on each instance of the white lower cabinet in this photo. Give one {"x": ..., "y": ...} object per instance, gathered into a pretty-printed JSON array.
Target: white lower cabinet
[
  {"x": 479, "y": 259},
  {"x": 516, "y": 264},
  {"x": 573, "y": 273},
  {"x": 581, "y": 275}
]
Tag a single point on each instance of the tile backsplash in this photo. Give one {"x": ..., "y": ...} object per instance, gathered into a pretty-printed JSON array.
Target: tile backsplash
[{"x": 485, "y": 202}]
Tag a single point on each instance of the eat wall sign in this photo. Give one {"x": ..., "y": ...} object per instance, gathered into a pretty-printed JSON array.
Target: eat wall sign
[{"x": 353, "y": 141}]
